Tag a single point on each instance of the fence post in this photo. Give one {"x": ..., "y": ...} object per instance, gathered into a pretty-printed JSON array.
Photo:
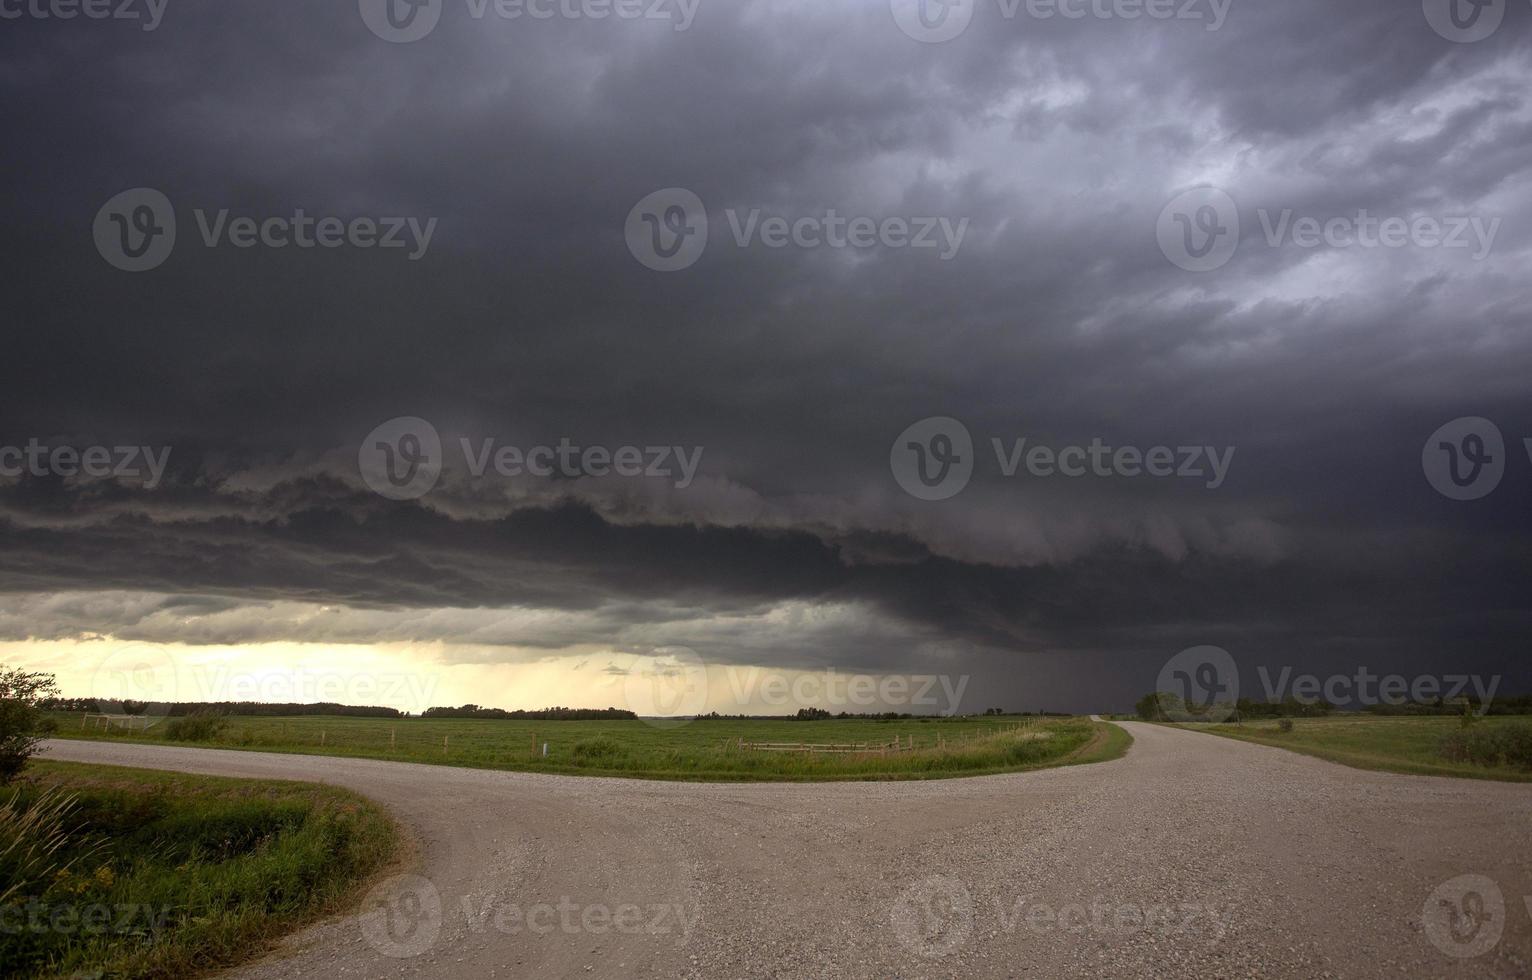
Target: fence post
[
  {"x": 393, "y": 738},
  {"x": 321, "y": 736},
  {"x": 444, "y": 743}
]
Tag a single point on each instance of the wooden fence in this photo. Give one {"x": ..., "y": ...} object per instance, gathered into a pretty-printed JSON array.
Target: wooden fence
[{"x": 862, "y": 748}]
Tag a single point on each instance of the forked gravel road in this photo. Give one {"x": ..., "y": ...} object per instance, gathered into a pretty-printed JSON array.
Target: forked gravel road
[{"x": 1193, "y": 856}]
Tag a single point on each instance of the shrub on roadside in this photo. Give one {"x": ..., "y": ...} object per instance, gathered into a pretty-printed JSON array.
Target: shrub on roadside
[
  {"x": 1507, "y": 745},
  {"x": 204, "y": 726},
  {"x": 21, "y": 718},
  {"x": 1285, "y": 725}
]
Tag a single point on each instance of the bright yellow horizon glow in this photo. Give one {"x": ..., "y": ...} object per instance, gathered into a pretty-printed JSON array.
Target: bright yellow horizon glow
[{"x": 412, "y": 677}]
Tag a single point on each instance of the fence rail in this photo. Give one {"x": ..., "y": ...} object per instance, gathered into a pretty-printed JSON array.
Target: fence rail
[
  {"x": 897, "y": 745},
  {"x": 108, "y": 722}
]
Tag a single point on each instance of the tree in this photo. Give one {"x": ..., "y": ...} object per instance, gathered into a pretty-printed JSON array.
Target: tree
[
  {"x": 1148, "y": 707},
  {"x": 21, "y": 717}
]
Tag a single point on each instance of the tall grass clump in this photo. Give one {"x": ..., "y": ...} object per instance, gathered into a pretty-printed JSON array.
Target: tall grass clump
[
  {"x": 116, "y": 873},
  {"x": 598, "y": 750},
  {"x": 34, "y": 839}
]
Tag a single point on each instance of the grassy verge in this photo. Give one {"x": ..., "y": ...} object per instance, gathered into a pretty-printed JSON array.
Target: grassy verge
[
  {"x": 1111, "y": 742},
  {"x": 1416, "y": 746},
  {"x": 112, "y": 872},
  {"x": 699, "y": 750}
]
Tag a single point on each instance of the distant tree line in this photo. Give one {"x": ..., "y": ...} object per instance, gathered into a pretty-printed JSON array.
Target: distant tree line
[
  {"x": 1165, "y": 706},
  {"x": 241, "y": 708},
  {"x": 1519, "y": 705},
  {"x": 1159, "y": 707},
  {"x": 544, "y": 714},
  {"x": 820, "y": 714}
]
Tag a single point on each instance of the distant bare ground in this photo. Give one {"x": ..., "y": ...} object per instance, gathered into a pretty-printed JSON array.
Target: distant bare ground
[{"x": 1192, "y": 856}]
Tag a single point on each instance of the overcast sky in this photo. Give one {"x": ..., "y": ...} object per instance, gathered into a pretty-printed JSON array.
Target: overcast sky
[{"x": 1058, "y": 181}]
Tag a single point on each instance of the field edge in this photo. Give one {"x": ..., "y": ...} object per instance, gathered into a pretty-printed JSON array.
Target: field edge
[{"x": 1356, "y": 760}]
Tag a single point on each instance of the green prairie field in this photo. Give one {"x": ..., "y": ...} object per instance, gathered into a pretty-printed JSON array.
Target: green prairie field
[
  {"x": 1489, "y": 748},
  {"x": 705, "y": 749},
  {"x": 109, "y": 872}
]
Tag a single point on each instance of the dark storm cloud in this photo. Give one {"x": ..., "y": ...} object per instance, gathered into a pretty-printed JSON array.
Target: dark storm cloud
[{"x": 1059, "y": 321}]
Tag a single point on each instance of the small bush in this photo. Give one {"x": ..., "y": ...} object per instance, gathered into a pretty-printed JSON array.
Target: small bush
[
  {"x": 204, "y": 726},
  {"x": 21, "y": 718},
  {"x": 1285, "y": 725}
]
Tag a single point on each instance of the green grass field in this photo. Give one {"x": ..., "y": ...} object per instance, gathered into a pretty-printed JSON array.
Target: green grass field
[
  {"x": 1393, "y": 744},
  {"x": 164, "y": 875},
  {"x": 698, "y": 750}
]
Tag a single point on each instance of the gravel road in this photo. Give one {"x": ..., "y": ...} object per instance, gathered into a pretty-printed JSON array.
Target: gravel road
[{"x": 1192, "y": 856}]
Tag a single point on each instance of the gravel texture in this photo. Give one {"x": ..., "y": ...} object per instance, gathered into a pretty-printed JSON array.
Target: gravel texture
[{"x": 1192, "y": 856}]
